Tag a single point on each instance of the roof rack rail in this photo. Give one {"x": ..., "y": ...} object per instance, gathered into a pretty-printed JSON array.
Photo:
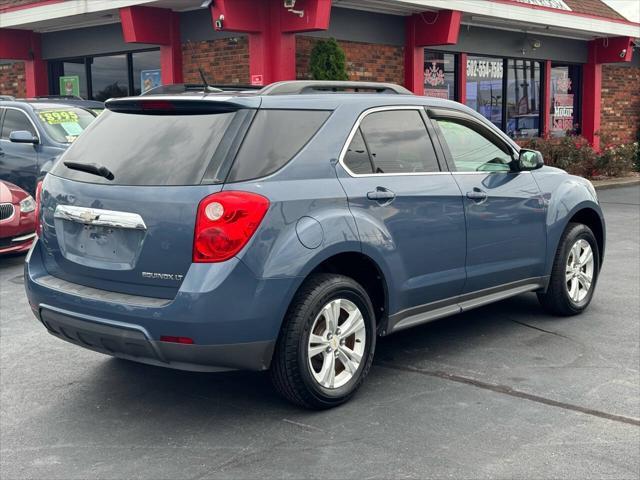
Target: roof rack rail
[
  {"x": 178, "y": 88},
  {"x": 7, "y": 97},
  {"x": 323, "y": 86}
]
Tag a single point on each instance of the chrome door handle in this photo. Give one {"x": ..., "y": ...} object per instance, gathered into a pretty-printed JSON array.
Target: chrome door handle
[
  {"x": 477, "y": 195},
  {"x": 381, "y": 194}
]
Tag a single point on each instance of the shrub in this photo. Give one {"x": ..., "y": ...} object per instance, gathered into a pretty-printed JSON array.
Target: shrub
[
  {"x": 328, "y": 61},
  {"x": 570, "y": 153},
  {"x": 617, "y": 160}
]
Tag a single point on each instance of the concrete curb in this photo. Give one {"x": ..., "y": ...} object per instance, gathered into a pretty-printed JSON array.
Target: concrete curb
[{"x": 608, "y": 184}]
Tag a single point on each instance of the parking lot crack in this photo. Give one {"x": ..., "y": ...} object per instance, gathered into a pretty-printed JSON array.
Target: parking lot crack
[
  {"x": 506, "y": 390},
  {"x": 539, "y": 329}
]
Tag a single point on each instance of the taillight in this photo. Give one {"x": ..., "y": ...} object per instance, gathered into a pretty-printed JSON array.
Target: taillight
[
  {"x": 38, "y": 209},
  {"x": 225, "y": 223}
]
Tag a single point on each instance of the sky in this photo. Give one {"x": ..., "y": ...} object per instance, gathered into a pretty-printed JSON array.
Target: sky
[{"x": 630, "y": 9}]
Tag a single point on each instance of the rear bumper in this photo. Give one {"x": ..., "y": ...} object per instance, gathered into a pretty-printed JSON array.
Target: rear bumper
[
  {"x": 132, "y": 342},
  {"x": 232, "y": 317}
]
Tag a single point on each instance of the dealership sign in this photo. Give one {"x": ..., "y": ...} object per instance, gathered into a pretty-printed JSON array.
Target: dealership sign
[
  {"x": 563, "y": 111},
  {"x": 559, "y": 4}
]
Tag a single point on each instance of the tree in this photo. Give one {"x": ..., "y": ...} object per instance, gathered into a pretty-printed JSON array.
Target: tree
[{"x": 328, "y": 61}]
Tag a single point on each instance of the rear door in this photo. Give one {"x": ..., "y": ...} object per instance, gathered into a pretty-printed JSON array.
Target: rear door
[
  {"x": 408, "y": 211},
  {"x": 505, "y": 211},
  {"x": 131, "y": 230},
  {"x": 18, "y": 161}
]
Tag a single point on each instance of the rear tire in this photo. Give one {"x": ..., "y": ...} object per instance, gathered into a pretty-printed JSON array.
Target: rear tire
[
  {"x": 327, "y": 342},
  {"x": 574, "y": 274}
]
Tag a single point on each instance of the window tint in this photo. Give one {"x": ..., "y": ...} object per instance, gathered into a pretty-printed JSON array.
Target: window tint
[
  {"x": 15, "y": 120},
  {"x": 357, "y": 157},
  {"x": 274, "y": 138},
  {"x": 147, "y": 149},
  {"x": 398, "y": 142},
  {"x": 472, "y": 151}
]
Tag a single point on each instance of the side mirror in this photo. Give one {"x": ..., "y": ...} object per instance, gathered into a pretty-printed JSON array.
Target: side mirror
[
  {"x": 530, "y": 160},
  {"x": 22, "y": 136}
]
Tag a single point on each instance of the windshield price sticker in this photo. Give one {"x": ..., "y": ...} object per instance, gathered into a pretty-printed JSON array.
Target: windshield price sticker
[{"x": 54, "y": 117}]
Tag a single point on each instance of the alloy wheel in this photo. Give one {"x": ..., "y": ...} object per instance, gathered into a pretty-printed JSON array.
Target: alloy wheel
[
  {"x": 336, "y": 343},
  {"x": 579, "y": 270}
]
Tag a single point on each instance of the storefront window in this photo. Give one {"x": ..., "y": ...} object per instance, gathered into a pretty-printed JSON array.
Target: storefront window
[
  {"x": 109, "y": 78},
  {"x": 146, "y": 71},
  {"x": 523, "y": 98},
  {"x": 565, "y": 102},
  {"x": 73, "y": 68},
  {"x": 484, "y": 87},
  {"x": 439, "y": 75}
]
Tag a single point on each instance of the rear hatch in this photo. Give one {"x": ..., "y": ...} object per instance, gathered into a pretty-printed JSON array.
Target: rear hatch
[{"x": 119, "y": 207}]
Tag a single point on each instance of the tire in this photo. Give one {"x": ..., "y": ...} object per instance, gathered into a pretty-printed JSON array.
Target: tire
[
  {"x": 297, "y": 372},
  {"x": 560, "y": 298}
]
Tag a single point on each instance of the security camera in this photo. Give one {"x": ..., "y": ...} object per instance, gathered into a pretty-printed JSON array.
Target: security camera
[
  {"x": 535, "y": 44},
  {"x": 289, "y": 4},
  {"x": 623, "y": 53},
  {"x": 219, "y": 23}
]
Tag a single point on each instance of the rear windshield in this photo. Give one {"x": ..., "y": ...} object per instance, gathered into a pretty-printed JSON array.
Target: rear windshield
[
  {"x": 64, "y": 124},
  {"x": 141, "y": 149}
]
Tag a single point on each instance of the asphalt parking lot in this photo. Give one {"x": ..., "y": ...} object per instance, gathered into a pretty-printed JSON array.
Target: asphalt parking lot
[{"x": 504, "y": 391}]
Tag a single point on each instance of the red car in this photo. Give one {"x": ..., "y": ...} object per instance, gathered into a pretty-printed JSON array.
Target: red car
[{"x": 17, "y": 219}]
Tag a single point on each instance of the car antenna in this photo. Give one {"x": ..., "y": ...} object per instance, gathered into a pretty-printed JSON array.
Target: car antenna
[{"x": 207, "y": 86}]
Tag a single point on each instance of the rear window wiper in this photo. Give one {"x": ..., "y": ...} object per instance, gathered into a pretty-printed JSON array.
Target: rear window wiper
[{"x": 91, "y": 168}]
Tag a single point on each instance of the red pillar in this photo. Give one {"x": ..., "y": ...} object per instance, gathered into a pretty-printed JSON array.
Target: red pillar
[
  {"x": 601, "y": 50},
  {"x": 413, "y": 58},
  {"x": 462, "y": 78},
  {"x": 426, "y": 29},
  {"x": 546, "y": 98},
  {"x": 159, "y": 26},
  {"x": 26, "y": 45},
  {"x": 271, "y": 29}
]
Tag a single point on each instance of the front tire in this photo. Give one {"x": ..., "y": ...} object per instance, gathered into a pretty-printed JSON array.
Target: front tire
[
  {"x": 575, "y": 270},
  {"x": 326, "y": 346}
]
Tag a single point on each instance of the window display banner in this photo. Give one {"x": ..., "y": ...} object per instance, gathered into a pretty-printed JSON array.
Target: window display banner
[
  {"x": 70, "y": 85},
  {"x": 150, "y": 79},
  {"x": 563, "y": 111},
  {"x": 434, "y": 80}
]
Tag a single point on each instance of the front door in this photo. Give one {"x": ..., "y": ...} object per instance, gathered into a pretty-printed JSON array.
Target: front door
[
  {"x": 505, "y": 211},
  {"x": 408, "y": 212}
]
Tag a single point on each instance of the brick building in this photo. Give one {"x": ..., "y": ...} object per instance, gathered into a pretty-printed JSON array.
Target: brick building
[{"x": 532, "y": 67}]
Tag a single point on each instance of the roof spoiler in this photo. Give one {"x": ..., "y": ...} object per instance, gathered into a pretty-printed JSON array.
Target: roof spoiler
[
  {"x": 317, "y": 86},
  {"x": 169, "y": 105}
]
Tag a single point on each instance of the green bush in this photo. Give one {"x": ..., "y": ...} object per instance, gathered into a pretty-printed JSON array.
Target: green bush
[
  {"x": 328, "y": 61},
  {"x": 570, "y": 153},
  {"x": 574, "y": 154}
]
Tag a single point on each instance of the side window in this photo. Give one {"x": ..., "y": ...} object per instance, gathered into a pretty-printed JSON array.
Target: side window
[
  {"x": 274, "y": 138},
  {"x": 357, "y": 157},
  {"x": 472, "y": 151},
  {"x": 398, "y": 142},
  {"x": 15, "y": 120}
]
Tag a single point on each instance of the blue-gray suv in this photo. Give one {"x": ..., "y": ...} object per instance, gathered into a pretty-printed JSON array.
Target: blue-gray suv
[{"x": 287, "y": 228}]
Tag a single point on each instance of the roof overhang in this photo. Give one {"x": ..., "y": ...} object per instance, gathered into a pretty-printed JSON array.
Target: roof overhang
[
  {"x": 508, "y": 15},
  {"x": 64, "y": 15},
  {"x": 501, "y": 14}
]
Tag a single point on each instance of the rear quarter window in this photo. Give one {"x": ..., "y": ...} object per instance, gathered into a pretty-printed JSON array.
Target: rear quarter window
[{"x": 274, "y": 138}]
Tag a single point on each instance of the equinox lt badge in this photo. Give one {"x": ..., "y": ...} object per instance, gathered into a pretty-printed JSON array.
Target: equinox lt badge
[{"x": 162, "y": 276}]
